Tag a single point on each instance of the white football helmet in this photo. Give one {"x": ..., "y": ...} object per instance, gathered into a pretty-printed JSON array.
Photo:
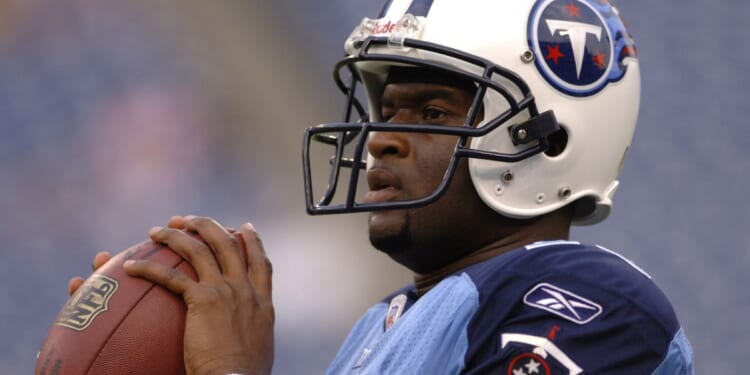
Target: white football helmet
[{"x": 561, "y": 72}]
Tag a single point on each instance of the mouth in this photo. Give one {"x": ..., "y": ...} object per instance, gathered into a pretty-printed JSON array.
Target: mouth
[{"x": 384, "y": 186}]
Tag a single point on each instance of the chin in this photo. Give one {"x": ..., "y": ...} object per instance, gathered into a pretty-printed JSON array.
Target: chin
[{"x": 389, "y": 231}]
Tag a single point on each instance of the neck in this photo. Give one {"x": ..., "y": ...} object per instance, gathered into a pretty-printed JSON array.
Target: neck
[{"x": 549, "y": 227}]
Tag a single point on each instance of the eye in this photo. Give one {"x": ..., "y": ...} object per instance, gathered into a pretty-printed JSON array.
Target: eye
[{"x": 434, "y": 114}]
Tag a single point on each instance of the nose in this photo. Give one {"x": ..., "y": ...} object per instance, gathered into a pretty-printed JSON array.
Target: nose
[{"x": 383, "y": 143}]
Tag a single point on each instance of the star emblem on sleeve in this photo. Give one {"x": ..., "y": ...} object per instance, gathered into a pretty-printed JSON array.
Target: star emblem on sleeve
[
  {"x": 528, "y": 364},
  {"x": 533, "y": 366}
]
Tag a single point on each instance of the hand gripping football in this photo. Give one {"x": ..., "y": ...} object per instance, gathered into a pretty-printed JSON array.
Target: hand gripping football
[{"x": 116, "y": 324}]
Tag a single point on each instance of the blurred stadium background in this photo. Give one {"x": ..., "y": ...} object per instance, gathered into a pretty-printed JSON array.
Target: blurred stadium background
[{"x": 115, "y": 115}]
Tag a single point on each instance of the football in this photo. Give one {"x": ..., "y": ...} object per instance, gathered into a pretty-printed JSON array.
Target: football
[{"x": 116, "y": 324}]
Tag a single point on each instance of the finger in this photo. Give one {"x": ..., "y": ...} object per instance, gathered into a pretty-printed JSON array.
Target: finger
[
  {"x": 197, "y": 253},
  {"x": 259, "y": 266},
  {"x": 99, "y": 259},
  {"x": 167, "y": 277},
  {"x": 225, "y": 245},
  {"x": 74, "y": 284},
  {"x": 176, "y": 222}
]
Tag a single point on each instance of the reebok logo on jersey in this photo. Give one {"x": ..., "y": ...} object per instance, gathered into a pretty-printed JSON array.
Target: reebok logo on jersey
[{"x": 562, "y": 303}]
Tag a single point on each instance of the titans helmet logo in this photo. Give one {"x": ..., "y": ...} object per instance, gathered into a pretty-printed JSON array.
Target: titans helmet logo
[{"x": 580, "y": 45}]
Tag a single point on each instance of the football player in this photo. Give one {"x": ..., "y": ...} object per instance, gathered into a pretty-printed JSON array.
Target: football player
[{"x": 484, "y": 130}]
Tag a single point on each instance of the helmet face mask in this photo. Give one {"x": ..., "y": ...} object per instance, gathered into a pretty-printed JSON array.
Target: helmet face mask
[
  {"x": 341, "y": 136},
  {"x": 519, "y": 103}
]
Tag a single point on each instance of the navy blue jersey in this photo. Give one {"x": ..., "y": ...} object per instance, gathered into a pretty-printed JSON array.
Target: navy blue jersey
[{"x": 555, "y": 307}]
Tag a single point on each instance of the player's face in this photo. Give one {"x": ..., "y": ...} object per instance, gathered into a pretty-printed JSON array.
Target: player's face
[{"x": 411, "y": 166}]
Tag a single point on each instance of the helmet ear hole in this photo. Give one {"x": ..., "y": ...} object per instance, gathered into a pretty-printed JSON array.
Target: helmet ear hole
[
  {"x": 557, "y": 142},
  {"x": 583, "y": 207}
]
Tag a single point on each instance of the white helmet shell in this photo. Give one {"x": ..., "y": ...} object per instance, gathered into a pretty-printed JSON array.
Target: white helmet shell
[{"x": 579, "y": 61}]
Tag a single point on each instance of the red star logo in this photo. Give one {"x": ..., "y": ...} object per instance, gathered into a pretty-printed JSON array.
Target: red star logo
[
  {"x": 600, "y": 60},
  {"x": 553, "y": 53},
  {"x": 573, "y": 10}
]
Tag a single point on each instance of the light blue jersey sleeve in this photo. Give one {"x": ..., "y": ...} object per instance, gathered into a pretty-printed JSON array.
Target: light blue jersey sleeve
[{"x": 679, "y": 359}]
